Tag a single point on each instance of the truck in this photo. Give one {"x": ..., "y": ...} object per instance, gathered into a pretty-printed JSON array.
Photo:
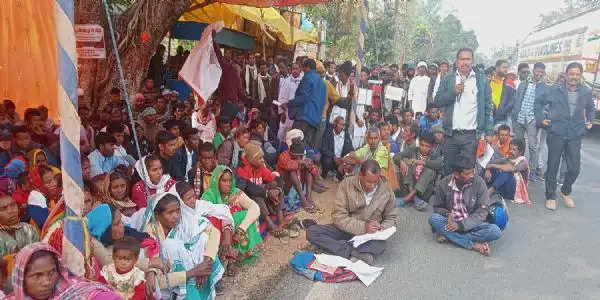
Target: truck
[{"x": 573, "y": 39}]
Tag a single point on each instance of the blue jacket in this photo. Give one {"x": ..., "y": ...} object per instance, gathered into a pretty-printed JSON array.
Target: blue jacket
[
  {"x": 562, "y": 123},
  {"x": 309, "y": 100},
  {"x": 181, "y": 159}
]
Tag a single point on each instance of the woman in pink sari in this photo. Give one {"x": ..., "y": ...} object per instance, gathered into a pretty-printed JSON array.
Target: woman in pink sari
[{"x": 39, "y": 273}]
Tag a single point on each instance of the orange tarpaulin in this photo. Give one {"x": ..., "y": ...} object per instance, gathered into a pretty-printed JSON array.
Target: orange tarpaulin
[{"x": 28, "y": 60}]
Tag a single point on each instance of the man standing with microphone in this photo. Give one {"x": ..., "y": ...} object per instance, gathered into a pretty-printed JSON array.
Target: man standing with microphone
[{"x": 466, "y": 101}]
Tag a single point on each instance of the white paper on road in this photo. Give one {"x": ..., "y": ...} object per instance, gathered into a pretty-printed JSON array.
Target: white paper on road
[
  {"x": 487, "y": 156},
  {"x": 380, "y": 235},
  {"x": 367, "y": 274}
]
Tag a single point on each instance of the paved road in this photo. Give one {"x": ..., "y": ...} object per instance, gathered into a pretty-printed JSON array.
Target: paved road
[{"x": 542, "y": 255}]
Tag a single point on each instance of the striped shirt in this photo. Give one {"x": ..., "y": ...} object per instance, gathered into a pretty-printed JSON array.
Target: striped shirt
[
  {"x": 459, "y": 209},
  {"x": 526, "y": 114}
]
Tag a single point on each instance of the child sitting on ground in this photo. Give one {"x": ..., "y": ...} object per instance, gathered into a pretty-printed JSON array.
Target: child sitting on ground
[{"x": 122, "y": 275}]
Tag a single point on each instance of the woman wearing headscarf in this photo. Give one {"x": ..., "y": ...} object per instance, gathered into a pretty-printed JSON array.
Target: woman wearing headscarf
[
  {"x": 189, "y": 244},
  {"x": 38, "y": 259},
  {"x": 150, "y": 170},
  {"x": 37, "y": 157},
  {"x": 45, "y": 193},
  {"x": 115, "y": 191},
  {"x": 105, "y": 226},
  {"x": 245, "y": 212}
]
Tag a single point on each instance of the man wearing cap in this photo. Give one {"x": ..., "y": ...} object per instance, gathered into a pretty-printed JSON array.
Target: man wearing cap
[
  {"x": 307, "y": 106},
  {"x": 148, "y": 120},
  {"x": 262, "y": 185},
  {"x": 417, "y": 90},
  {"x": 298, "y": 172},
  {"x": 364, "y": 204}
]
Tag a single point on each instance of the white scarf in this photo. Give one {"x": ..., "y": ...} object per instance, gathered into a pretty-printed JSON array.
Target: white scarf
[
  {"x": 247, "y": 75},
  {"x": 262, "y": 93},
  {"x": 140, "y": 167}
]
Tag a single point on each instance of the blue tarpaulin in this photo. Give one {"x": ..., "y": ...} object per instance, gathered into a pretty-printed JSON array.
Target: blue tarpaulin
[{"x": 226, "y": 37}]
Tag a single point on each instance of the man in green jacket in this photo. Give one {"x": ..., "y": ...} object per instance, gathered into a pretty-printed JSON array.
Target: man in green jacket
[{"x": 466, "y": 101}]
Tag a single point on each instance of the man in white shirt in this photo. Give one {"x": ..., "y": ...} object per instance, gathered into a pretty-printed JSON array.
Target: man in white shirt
[
  {"x": 444, "y": 67},
  {"x": 287, "y": 89},
  {"x": 466, "y": 101},
  {"x": 187, "y": 155},
  {"x": 417, "y": 91},
  {"x": 336, "y": 144}
]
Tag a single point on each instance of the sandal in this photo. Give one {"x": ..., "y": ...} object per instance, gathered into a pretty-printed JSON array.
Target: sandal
[{"x": 280, "y": 233}]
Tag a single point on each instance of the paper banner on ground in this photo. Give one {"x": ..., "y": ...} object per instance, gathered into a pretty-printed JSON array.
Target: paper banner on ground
[
  {"x": 487, "y": 156},
  {"x": 380, "y": 235}
]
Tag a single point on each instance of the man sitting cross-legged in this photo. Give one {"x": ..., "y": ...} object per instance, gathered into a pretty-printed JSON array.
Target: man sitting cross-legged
[
  {"x": 336, "y": 144},
  {"x": 363, "y": 204},
  {"x": 419, "y": 166},
  {"x": 298, "y": 172},
  {"x": 508, "y": 176},
  {"x": 460, "y": 208}
]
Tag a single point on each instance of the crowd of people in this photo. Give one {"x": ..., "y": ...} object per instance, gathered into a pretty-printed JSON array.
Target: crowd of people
[{"x": 194, "y": 195}]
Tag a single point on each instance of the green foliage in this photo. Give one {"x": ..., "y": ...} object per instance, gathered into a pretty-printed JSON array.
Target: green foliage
[{"x": 397, "y": 31}]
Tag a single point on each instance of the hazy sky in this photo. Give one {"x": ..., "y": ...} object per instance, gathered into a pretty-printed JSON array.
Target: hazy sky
[{"x": 499, "y": 22}]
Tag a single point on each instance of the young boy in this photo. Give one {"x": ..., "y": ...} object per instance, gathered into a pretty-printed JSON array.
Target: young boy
[
  {"x": 122, "y": 275},
  {"x": 419, "y": 165}
]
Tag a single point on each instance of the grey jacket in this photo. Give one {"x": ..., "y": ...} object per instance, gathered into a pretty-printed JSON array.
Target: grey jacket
[
  {"x": 563, "y": 123},
  {"x": 351, "y": 212},
  {"x": 476, "y": 200}
]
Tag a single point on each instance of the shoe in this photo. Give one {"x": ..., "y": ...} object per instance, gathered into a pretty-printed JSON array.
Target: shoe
[
  {"x": 569, "y": 201},
  {"x": 551, "y": 204},
  {"x": 440, "y": 238},
  {"x": 219, "y": 288},
  {"x": 366, "y": 257}
]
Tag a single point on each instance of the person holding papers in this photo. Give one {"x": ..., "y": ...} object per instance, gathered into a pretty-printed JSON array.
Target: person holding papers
[{"x": 364, "y": 204}]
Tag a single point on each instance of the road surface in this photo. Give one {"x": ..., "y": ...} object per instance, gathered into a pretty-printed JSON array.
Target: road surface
[{"x": 542, "y": 255}]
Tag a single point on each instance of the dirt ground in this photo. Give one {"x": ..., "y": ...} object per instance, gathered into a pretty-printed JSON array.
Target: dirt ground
[{"x": 254, "y": 281}]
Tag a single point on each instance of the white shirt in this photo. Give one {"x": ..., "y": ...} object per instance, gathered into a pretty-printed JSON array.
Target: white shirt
[
  {"x": 417, "y": 93},
  {"x": 464, "y": 116},
  {"x": 343, "y": 89},
  {"x": 369, "y": 196},
  {"x": 436, "y": 86},
  {"x": 338, "y": 143},
  {"x": 287, "y": 89},
  {"x": 188, "y": 164}
]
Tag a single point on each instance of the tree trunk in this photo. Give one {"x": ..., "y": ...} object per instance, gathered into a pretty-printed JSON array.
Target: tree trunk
[{"x": 154, "y": 17}]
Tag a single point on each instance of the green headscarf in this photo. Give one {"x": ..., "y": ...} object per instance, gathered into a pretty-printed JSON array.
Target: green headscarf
[{"x": 213, "y": 194}]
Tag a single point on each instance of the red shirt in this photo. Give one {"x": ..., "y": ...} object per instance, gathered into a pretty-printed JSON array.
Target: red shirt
[{"x": 258, "y": 176}]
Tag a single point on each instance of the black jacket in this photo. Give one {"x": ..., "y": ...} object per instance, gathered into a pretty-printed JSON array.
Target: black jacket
[
  {"x": 507, "y": 101},
  {"x": 327, "y": 148},
  {"x": 181, "y": 161}
]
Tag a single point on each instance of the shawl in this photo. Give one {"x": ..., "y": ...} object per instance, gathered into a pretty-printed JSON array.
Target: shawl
[
  {"x": 99, "y": 222},
  {"x": 521, "y": 194},
  {"x": 213, "y": 194},
  {"x": 262, "y": 93},
  {"x": 109, "y": 199},
  {"x": 36, "y": 182},
  {"x": 32, "y": 158},
  {"x": 207, "y": 132},
  {"x": 18, "y": 274},
  {"x": 248, "y": 77},
  {"x": 293, "y": 134},
  {"x": 142, "y": 170}
]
